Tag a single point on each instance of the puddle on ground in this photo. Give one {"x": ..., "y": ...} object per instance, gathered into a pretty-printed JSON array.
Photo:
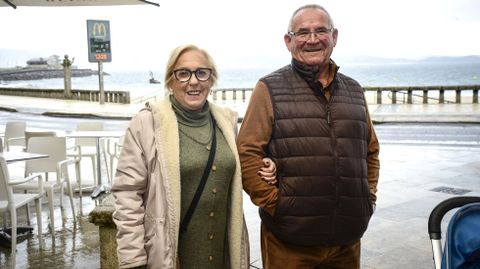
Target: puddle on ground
[{"x": 72, "y": 245}]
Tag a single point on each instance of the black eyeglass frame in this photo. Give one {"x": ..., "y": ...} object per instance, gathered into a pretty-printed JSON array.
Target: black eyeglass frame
[{"x": 190, "y": 72}]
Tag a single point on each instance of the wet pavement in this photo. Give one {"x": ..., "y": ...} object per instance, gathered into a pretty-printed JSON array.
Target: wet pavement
[
  {"x": 72, "y": 244},
  {"x": 397, "y": 236},
  {"x": 464, "y": 113},
  {"x": 414, "y": 177}
]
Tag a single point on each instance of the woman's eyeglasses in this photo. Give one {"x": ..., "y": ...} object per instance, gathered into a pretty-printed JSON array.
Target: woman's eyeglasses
[{"x": 184, "y": 75}]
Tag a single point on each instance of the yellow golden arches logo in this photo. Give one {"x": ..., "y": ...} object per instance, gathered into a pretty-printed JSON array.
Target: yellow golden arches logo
[{"x": 99, "y": 30}]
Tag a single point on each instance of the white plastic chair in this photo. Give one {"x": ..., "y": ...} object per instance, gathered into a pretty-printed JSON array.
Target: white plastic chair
[
  {"x": 15, "y": 134},
  {"x": 57, "y": 162},
  {"x": 114, "y": 147},
  {"x": 87, "y": 147},
  {"x": 10, "y": 202},
  {"x": 30, "y": 134}
]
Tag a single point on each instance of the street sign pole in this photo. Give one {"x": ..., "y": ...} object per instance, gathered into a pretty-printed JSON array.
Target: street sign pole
[
  {"x": 99, "y": 49},
  {"x": 100, "y": 83}
]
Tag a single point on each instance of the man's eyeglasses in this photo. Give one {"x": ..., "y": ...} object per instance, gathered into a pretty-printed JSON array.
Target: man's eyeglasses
[
  {"x": 184, "y": 75},
  {"x": 304, "y": 35}
]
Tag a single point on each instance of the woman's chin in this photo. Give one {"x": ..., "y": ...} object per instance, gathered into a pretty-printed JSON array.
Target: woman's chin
[{"x": 196, "y": 105}]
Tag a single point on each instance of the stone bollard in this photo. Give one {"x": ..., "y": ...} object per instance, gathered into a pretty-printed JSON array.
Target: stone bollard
[{"x": 101, "y": 216}]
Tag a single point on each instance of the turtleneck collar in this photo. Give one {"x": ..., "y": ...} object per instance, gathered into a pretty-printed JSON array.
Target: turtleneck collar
[
  {"x": 307, "y": 72},
  {"x": 310, "y": 73},
  {"x": 189, "y": 117}
]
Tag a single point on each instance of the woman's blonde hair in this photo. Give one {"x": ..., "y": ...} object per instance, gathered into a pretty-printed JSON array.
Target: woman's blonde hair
[{"x": 172, "y": 61}]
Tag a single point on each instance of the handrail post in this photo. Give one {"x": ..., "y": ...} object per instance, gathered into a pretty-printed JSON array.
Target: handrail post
[
  {"x": 244, "y": 95},
  {"x": 394, "y": 96},
  {"x": 379, "y": 97},
  {"x": 224, "y": 95},
  {"x": 441, "y": 97},
  {"x": 409, "y": 96},
  {"x": 425, "y": 96},
  {"x": 475, "y": 96},
  {"x": 458, "y": 96},
  {"x": 214, "y": 93}
]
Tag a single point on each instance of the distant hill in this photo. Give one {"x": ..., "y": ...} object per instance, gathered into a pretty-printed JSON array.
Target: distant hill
[
  {"x": 449, "y": 59},
  {"x": 437, "y": 59},
  {"x": 369, "y": 60}
]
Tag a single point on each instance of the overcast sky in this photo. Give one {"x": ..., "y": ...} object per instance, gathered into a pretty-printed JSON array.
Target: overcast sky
[{"x": 247, "y": 33}]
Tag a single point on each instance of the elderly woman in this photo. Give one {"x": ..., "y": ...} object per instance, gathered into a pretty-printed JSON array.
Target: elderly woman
[{"x": 178, "y": 182}]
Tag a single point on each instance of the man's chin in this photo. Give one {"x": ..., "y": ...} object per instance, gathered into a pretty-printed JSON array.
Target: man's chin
[{"x": 313, "y": 62}]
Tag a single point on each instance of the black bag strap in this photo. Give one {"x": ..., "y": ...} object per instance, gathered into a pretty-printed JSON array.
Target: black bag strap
[{"x": 201, "y": 185}]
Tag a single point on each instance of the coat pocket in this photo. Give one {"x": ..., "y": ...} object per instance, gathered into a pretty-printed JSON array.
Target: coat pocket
[
  {"x": 157, "y": 242},
  {"x": 152, "y": 226}
]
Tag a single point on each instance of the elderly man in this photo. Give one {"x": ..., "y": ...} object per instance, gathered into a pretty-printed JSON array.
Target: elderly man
[{"x": 313, "y": 121}]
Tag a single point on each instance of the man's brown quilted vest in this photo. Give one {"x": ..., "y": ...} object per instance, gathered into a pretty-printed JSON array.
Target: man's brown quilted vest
[{"x": 320, "y": 149}]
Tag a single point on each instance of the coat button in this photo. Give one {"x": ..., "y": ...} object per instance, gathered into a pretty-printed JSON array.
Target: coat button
[
  {"x": 214, "y": 190},
  {"x": 214, "y": 168},
  {"x": 212, "y": 214},
  {"x": 210, "y": 236},
  {"x": 210, "y": 258}
]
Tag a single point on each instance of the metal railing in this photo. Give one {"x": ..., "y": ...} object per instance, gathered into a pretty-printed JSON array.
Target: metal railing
[
  {"x": 375, "y": 95},
  {"x": 122, "y": 97},
  {"x": 409, "y": 94},
  {"x": 231, "y": 93}
]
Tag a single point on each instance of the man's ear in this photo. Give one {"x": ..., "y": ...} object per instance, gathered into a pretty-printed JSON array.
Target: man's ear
[
  {"x": 288, "y": 41},
  {"x": 335, "y": 36}
]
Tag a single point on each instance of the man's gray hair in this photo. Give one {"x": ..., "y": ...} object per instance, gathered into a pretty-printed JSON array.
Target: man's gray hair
[{"x": 312, "y": 6}]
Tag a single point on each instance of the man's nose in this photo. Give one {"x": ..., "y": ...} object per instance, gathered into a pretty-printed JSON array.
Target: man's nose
[{"x": 313, "y": 37}]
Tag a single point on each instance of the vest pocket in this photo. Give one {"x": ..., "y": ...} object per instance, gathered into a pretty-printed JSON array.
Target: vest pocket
[{"x": 366, "y": 193}]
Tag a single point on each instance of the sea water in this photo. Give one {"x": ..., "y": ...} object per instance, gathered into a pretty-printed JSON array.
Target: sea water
[{"x": 368, "y": 75}]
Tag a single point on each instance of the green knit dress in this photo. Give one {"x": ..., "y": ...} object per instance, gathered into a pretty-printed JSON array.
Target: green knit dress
[{"x": 204, "y": 243}]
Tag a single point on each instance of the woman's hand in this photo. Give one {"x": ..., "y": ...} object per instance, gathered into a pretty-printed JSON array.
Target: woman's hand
[{"x": 268, "y": 173}]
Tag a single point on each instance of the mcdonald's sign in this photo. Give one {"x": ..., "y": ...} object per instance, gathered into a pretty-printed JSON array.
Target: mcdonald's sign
[{"x": 99, "y": 47}]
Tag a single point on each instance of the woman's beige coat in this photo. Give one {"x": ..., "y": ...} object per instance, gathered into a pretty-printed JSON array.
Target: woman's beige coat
[{"x": 147, "y": 191}]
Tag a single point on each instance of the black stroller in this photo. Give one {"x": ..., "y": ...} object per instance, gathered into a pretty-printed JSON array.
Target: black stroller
[{"x": 462, "y": 243}]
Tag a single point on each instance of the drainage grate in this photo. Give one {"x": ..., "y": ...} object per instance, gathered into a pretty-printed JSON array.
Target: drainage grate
[{"x": 450, "y": 190}]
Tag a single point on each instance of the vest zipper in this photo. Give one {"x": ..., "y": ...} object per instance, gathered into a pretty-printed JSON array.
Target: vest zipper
[
  {"x": 335, "y": 158},
  {"x": 327, "y": 102},
  {"x": 328, "y": 114}
]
